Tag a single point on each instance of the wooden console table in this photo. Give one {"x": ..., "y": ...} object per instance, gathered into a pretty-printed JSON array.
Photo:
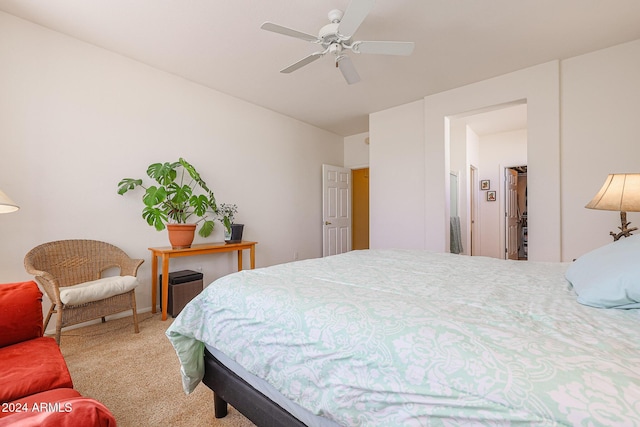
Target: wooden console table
[{"x": 166, "y": 253}]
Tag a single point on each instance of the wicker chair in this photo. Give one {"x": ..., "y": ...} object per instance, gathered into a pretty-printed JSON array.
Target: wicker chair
[{"x": 65, "y": 263}]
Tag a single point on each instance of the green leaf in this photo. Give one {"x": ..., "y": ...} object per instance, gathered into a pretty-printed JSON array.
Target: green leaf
[
  {"x": 200, "y": 204},
  {"x": 206, "y": 229},
  {"x": 189, "y": 168},
  {"x": 196, "y": 177},
  {"x": 154, "y": 196},
  {"x": 154, "y": 217},
  {"x": 128, "y": 184},
  {"x": 179, "y": 194},
  {"x": 163, "y": 173},
  {"x": 212, "y": 202}
]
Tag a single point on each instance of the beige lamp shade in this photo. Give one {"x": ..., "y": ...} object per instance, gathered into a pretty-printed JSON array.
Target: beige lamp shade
[
  {"x": 620, "y": 192},
  {"x": 6, "y": 204}
]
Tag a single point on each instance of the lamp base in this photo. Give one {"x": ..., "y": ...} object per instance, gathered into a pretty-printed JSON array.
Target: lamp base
[{"x": 624, "y": 231}]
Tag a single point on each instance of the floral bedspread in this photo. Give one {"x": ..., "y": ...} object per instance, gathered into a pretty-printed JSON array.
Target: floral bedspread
[{"x": 415, "y": 338}]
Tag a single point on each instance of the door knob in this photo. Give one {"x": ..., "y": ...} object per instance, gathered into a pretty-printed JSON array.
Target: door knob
[{"x": 327, "y": 223}]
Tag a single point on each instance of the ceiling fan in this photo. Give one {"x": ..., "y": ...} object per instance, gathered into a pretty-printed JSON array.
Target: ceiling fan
[{"x": 336, "y": 37}]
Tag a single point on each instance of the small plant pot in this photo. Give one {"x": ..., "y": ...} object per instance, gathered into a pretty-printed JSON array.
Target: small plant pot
[
  {"x": 181, "y": 235},
  {"x": 236, "y": 234}
]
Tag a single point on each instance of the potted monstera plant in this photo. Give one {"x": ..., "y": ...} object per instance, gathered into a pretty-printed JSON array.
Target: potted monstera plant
[{"x": 178, "y": 200}]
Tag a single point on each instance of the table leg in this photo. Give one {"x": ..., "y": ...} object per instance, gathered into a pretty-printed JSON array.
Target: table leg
[
  {"x": 165, "y": 285},
  {"x": 240, "y": 260},
  {"x": 154, "y": 282},
  {"x": 252, "y": 255}
]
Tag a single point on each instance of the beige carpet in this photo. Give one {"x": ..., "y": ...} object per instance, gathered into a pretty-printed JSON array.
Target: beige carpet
[{"x": 137, "y": 376}]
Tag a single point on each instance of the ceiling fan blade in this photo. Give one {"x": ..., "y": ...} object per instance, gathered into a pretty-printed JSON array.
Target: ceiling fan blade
[
  {"x": 270, "y": 26},
  {"x": 304, "y": 61},
  {"x": 384, "y": 48},
  {"x": 348, "y": 70},
  {"x": 353, "y": 17}
]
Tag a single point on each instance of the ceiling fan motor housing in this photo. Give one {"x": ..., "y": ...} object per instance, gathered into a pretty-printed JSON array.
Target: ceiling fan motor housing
[{"x": 329, "y": 34}]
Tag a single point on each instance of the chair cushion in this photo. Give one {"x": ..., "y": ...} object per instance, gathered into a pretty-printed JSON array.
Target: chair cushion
[
  {"x": 32, "y": 367},
  {"x": 97, "y": 290},
  {"x": 20, "y": 312}
]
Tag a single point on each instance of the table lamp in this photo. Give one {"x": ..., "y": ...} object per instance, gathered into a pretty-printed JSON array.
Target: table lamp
[
  {"x": 620, "y": 192},
  {"x": 6, "y": 204}
]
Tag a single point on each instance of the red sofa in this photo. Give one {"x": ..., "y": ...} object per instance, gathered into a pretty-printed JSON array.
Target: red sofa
[{"x": 35, "y": 384}]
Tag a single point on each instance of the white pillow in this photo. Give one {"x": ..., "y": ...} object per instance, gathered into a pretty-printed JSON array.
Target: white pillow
[
  {"x": 608, "y": 277},
  {"x": 96, "y": 290}
]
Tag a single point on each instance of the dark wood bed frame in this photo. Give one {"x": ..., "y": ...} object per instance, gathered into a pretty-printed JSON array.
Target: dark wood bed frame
[{"x": 229, "y": 388}]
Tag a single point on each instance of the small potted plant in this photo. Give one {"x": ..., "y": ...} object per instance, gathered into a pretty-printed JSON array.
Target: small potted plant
[
  {"x": 180, "y": 200},
  {"x": 232, "y": 231}
]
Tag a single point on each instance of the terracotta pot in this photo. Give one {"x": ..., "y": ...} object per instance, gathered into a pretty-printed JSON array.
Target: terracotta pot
[{"x": 181, "y": 235}]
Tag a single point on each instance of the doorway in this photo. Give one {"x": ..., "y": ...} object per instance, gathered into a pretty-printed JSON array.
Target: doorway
[
  {"x": 516, "y": 225},
  {"x": 481, "y": 145},
  {"x": 345, "y": 209},
  {"x": 360, "y": 206},
  {"x": 336, "y": 210}
]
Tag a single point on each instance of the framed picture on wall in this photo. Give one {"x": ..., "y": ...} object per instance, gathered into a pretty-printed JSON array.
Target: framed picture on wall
[
  {"x": 484, "y": 184},
  {"x": 491, "y": 196}
]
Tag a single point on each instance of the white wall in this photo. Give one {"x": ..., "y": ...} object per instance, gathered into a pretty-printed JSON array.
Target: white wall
[
  {"x": 600, "y": 93},
  {"x": 577, "y": 135},
  {"x": 356, "y": 151},
  {"x": 75, "y": 119},
  {"x": 540, "y": 87},
  {"x": 497, "y": 151},
  {"x": 396, "y": 177}
]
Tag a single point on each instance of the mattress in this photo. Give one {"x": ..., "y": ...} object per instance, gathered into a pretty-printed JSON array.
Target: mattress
[
  {"x": 412, "y": 338},
  {"x": 270, "y": 392}
]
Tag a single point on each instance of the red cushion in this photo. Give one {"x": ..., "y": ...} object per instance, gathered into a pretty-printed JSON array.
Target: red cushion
[
  {"x": 26, "y": 403},
  {"x": 31, "y": 367},
  {"x": 20, "y": 312},
  {"x": 70, "y": 412}
]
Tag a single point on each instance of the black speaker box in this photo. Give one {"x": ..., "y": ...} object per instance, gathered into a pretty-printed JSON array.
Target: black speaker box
[{"x": 184, "y": 285}]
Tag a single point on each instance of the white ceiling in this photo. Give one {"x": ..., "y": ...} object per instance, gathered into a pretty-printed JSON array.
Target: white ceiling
[
  {"x": 505, "y": 119},
  {"x": 219, "y": 44}
]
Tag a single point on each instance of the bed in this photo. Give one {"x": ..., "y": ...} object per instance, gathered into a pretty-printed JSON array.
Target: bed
[{"x": 416, "y": 338}]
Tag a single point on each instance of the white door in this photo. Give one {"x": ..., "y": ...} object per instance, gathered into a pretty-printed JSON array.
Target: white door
[
  {"x": 511, "y": 213},
  {"x": 336, "y": 210}
]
